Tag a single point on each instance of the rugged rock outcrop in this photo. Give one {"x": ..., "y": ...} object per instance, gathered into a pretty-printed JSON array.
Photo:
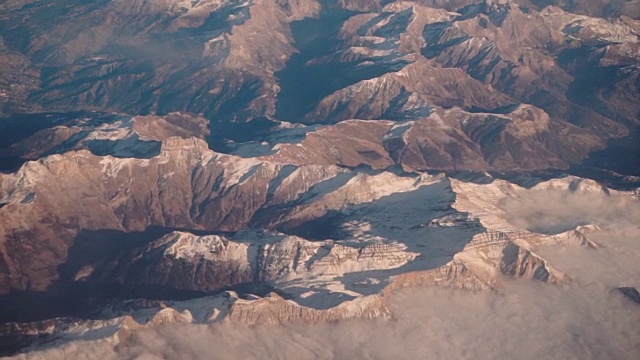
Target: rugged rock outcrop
[{"x": 274, "y": 310}]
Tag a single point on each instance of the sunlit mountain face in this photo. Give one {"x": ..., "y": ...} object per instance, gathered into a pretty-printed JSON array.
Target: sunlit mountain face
[{"x": 319, "y": 179}]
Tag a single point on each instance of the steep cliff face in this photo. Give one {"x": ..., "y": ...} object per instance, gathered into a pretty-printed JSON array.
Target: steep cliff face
[{"x": 275, "y": 310}]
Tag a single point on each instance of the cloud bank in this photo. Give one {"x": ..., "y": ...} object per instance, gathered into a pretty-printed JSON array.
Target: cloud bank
[
  {"x": 524, "y": 320},
  {"x": 554, "y": 211}
]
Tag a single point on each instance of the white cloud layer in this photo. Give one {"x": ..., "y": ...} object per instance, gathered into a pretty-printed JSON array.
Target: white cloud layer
[
  {"x": 555, "y": 211},
  {"x": 525, "y": 320}
]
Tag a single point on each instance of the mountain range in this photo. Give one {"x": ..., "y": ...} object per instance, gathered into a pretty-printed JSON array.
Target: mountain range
[{"x": 294, "y": 161}]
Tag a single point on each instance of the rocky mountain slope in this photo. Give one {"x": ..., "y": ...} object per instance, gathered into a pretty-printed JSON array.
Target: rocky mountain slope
[
  {"x": 553, "y": 66},
  {"x": 453, "y": 233}
]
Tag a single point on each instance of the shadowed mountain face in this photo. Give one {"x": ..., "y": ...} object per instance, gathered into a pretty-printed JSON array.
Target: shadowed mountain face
[{"x": 295, "y": 160}]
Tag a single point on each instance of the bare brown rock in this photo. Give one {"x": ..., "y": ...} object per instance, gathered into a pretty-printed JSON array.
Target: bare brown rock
[
  {"x": 275, "y": 310},
  {"x": 349, "y": 143}
]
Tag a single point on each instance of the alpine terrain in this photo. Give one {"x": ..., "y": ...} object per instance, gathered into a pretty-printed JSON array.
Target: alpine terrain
[{"x": 325, "y": 179}]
